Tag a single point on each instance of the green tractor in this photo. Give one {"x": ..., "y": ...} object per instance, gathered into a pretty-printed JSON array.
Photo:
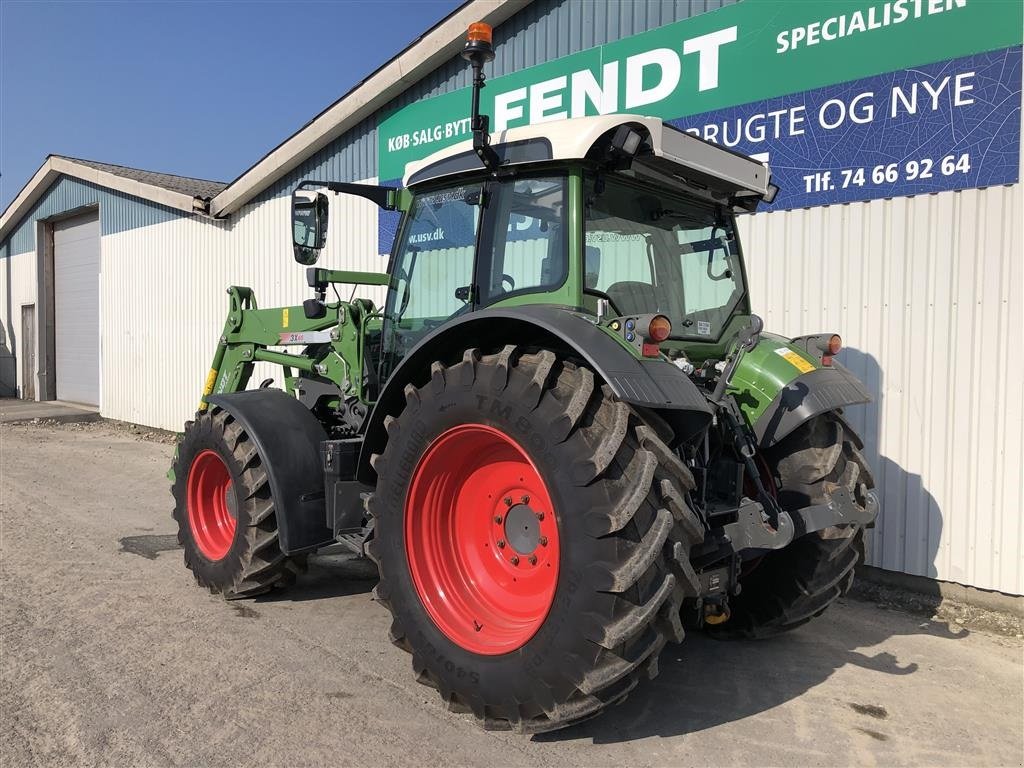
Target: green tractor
[{"x": 562, "y": 439}]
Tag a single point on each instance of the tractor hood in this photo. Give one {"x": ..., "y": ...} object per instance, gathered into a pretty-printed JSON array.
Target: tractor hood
[{"x": 664, "y": 151}]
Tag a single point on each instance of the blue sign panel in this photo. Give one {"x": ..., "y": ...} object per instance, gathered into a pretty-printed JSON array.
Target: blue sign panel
[
  {"x": 950, "y": 125},
  {"x": 938, "y": 127}
]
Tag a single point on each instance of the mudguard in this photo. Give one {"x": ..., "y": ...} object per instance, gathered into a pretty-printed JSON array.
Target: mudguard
[
  {"x": 287, "y": 437},
  {"x": 808, "y": 395},
  {"x": 649, "y": 383}
]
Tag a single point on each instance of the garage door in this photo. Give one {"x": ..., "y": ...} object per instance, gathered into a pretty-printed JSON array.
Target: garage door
[{"x": 76, "y": 296}]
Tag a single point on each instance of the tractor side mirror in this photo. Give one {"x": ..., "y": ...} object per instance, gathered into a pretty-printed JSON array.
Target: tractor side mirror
[{"x": 309, "y": 225}]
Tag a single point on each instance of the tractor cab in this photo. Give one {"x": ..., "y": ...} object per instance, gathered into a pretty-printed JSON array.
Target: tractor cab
[{"x": 617, "y": 217}]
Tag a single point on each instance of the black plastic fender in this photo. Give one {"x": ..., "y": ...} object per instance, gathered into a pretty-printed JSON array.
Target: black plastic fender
[
  {"x": 287, "y": 436},
  {"x": 807, "y": 396},
  {"x": 650, "y": 383}
]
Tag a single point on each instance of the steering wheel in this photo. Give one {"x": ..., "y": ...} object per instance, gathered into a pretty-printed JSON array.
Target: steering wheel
[{"x": 508, "y": 279}]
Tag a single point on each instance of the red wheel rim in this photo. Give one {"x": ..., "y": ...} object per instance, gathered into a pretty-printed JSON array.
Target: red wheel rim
[
  {"x": 481, "y": 539},
  {"x": 209, "y": 505}
]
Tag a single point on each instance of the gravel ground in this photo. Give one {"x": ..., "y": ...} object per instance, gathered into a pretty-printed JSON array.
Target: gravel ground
[{"x": 111, "y": 655}]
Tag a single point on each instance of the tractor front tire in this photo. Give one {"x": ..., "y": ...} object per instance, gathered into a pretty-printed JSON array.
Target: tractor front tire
[
  {"x": 793, "y": 585},
  {"x": 225, "y": 511},
  {"x": 533, "y": 537}
]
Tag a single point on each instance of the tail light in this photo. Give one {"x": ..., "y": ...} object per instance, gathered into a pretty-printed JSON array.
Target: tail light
[
  {"x": 831, "y": 348},
  {"x": 659, "y": 328}
]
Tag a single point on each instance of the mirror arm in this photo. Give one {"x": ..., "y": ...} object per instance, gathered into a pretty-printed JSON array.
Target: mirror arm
[
  {"x": 317, "y": 277},
  {"x": 385, "y": 197}
]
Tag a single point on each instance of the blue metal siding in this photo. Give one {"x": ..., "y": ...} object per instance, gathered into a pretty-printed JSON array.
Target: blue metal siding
[
  {"x": 118, "y": 211},
  {"x": 350, "y": 157},
  {"x": 544, "y": 30}
]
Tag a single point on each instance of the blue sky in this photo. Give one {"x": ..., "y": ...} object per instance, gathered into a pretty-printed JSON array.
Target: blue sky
[{"x": 194, "y": 88}]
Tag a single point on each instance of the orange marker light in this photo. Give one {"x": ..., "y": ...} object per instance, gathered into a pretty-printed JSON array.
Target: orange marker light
[
  {"x": 479, "y": 32},
  {"x": 659, "y": 329},
  {"x": 835, "y": 343}
]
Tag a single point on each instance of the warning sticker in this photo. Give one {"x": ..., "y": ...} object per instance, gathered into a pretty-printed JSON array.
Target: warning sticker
[
  {"x": 797, "y": 361},
  {"x": 284, "y": 317},
  {"x": 703, "y": 328}
]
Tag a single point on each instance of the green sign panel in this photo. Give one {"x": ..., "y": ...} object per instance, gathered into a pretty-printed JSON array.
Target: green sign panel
[{"x": 749, "y": 52}]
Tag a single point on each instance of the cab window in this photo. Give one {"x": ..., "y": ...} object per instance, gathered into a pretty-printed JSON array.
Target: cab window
[{"x": 524, "y": 247}]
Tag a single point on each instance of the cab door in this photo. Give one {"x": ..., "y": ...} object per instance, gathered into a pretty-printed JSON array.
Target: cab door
[{"x": 432, "y": 269}]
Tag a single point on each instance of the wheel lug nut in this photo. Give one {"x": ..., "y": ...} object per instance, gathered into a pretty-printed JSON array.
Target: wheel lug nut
[
  {"x": 540, "y": 515},
  {"x": 508, "y": 501},
  {"x": 533, "y": 559},
  {"x": 501, "y": 543},
  {"x": 497, "y": 518},
  {"x": 543, "y": 541},
  {"x": 525, "y": 499},
  {"x": 515, "y": 560}
]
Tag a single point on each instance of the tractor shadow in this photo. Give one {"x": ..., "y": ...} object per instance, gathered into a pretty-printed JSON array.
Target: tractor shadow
[
  {"x": 330, "y": 573},
  {"x": 705, "y": 683}
]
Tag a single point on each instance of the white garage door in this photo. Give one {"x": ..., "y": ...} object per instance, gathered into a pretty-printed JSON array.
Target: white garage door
[{"x": 76, "y": 295}]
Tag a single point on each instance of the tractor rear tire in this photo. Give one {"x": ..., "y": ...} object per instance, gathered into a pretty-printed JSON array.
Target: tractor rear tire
[
  {"x": 533, "y": 536},
  {"x": 225, "y": 511},
  {"x": 793, "y": 585}
]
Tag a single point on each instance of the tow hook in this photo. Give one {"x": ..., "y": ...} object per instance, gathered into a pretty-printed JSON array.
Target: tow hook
[{"x": 716, "y": 613}]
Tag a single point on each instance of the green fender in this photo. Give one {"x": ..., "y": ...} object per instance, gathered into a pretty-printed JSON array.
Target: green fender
[{"x": 779, "y": 386}]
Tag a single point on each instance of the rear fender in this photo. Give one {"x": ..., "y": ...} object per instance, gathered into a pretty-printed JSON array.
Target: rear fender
[
  {"x": 806, "y": 396},
  {"x": 649, "y": 383},
  {"x": 287, "y": 437}
]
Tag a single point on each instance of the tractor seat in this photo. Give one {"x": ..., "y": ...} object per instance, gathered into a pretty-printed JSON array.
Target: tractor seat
[{"x": 634, "y": 297}]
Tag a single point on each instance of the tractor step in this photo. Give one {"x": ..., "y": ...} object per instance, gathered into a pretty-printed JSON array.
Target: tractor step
[{"x": 355, "y": 540}]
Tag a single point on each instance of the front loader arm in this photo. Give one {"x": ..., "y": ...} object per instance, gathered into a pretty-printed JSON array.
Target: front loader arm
[{"x": 249, "y": 330}]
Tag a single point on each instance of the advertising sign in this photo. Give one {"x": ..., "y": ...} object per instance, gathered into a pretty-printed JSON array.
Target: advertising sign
[{"x": 847, "y": 100}]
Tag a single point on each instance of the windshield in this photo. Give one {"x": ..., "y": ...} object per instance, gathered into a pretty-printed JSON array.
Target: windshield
[{"x": 647, "y": 251}]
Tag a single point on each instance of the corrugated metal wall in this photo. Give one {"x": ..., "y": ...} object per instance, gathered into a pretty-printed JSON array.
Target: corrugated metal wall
[
  {"x": 154, "y": 365},
  {"x": 17, "y": 287},
  {"x": 927, "y": 293},
  {"x": 118, "y": 211},
  {"x": 8, "y": 362}
]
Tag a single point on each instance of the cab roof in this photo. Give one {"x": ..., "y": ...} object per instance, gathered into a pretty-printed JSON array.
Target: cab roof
[{"x": 665, "y": 152}]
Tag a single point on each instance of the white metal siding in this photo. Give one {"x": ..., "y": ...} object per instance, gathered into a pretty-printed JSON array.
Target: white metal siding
[
  {"x": 17, "y": 287},
  {"x": 76, "y": 286},
  {"x": 927, "y": 294},
  {"x": 154, "y": 363}
]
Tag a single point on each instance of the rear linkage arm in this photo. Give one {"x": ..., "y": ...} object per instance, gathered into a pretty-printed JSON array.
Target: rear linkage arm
[
  {"x": 742, "y": 436},
  {"x": 767, "y": 525}
]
